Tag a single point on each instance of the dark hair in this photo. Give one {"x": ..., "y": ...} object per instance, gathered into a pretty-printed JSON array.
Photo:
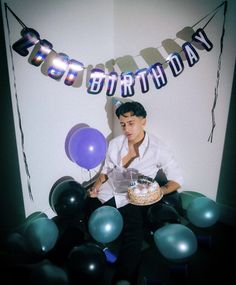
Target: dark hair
[{"x": 135, "y": 108}]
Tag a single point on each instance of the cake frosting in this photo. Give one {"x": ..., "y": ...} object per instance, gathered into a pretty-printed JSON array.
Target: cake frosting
[{"x": 144, "y": 191}]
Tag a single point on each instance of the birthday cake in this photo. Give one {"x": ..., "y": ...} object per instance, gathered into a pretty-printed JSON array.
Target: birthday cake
[{"x": 144, "y": 191}]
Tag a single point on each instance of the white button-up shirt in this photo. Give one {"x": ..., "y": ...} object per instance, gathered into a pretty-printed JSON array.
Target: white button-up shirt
[{"x": 153, "y": 155}]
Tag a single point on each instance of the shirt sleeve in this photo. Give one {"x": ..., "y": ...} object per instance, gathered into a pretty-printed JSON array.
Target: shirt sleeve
[
  {"x": 108, "y": 164},
  {"x": 169, "y": 165}
]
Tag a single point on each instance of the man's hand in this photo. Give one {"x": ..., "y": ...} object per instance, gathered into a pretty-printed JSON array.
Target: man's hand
[
  {"x": 170, "y": 187},
  {"x": 93, "y": 192}
]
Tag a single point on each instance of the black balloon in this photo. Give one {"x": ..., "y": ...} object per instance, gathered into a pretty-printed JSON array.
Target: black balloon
[
  {"x": 173, "y": 199},
  {"x": 68, "y": 198},
  {"x": 86, "y": 263},
  {"x": 161, "y": 214}
]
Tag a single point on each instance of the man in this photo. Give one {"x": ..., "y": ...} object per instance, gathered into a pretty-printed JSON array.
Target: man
[{"x": 135, "y": 151}]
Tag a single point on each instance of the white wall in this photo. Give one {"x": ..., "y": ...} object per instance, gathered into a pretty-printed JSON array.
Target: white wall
[{"x": 94, "y": 32}]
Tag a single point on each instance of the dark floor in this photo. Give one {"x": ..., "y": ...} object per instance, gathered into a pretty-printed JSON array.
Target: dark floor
[{"x": 213, "y": 260}]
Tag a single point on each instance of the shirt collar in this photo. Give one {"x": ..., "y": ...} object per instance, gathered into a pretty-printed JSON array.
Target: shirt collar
[{"x": 142, "y": 147}]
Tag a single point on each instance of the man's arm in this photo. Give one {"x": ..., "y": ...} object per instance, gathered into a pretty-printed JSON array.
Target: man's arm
[
  {"x": 93, "y": 191},
  {"x": 170, "y": 187}
]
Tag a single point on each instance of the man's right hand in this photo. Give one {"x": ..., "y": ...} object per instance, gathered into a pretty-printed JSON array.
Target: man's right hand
[{"x": 93, "y": 192}]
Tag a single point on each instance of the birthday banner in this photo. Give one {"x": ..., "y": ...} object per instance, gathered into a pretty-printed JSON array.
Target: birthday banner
[
  {"x": 60, "y": 65},
  {"x": 63, "y": 64}
]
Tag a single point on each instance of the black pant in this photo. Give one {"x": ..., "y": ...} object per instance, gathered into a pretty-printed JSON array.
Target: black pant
[
  {"x": 129, "y": 256},
  {"x": 130, "y": 240},
  {"x": 132, "y": 236}
]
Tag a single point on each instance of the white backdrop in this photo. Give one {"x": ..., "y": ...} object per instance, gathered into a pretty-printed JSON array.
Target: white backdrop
[{"x": 95, "y": 32}]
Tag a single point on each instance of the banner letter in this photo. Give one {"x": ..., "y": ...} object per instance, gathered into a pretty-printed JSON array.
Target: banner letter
[
  {"x": 58, "y": 67},
  {"x": 201, "y": 37},
  {"x": 158, "y": 75},
  {"x": 127, "y": 84},
  {"x": 176, "y": 64},
  {"x": 142, "y": 74},
  {"x": 190, "y": 53},
  {"x": 29, "y": 38},
  {"x": 112, "y": 83},
  {"x": 43, "y": 51},
  {"x": 96, "y": 81},
  {"x": 74, "y": 68}
]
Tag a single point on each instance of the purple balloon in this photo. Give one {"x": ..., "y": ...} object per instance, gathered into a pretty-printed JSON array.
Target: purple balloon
[
  {"x": 70, "y": 133},
  {"x": 87, "y": 147}
]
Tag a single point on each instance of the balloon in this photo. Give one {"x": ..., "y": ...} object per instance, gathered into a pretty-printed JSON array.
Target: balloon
[
  {"x": 31, "y": 218},
  {"x": 70, "y": 133},
  {"x": 87, "y": 147},
  {"x": 175, "y": 242},
  {"x": 203, "y": 212},
  {"x": 174, "y": 200},
  {"x": 35, "y": 216},
  {"x": 86, "y": 262},
  {"x": 47, "y": 273},
  {"x": 73, "y": 232},
  {"x": 188, "y": 196},
  {"x": 67, "y": 198},
  {"x": 105, "y": 224},
  {"x": 58, "y": 182},
  {"x": 17, "y": 248},
  {"x": 41, "y": 235},
  {"x": 160, "y": 214}
]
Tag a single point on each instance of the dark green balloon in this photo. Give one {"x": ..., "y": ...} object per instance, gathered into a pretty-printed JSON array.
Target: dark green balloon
[
  {"x": 188, "y": 196},
  {"x": 17, "y": 248},
  {"x": 175, "y": 242},
  {"x": 41, "y": 235},
  {"x": 203, "y": 212},
  {"x": 105, "y": 224},
  {"x": 32, "y": 217},
  {"x": 46, "y": 273}
]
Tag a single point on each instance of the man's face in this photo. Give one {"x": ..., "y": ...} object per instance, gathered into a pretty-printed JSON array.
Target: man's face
[{"x": 132, "y": 126}]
